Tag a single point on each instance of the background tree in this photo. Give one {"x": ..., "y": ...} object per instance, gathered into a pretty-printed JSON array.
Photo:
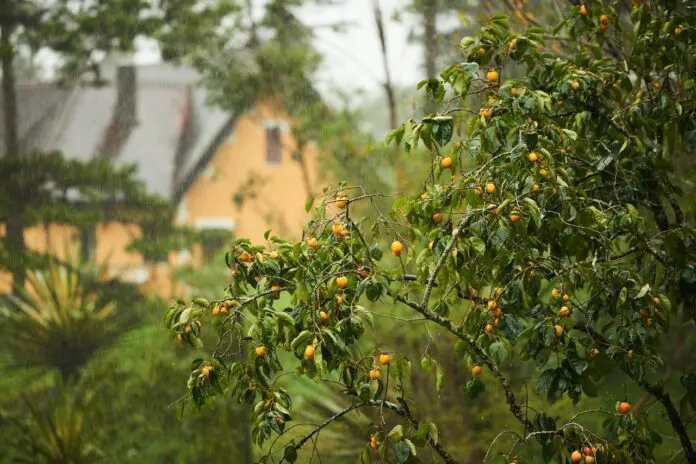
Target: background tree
[{"x": 564, "y": 247}]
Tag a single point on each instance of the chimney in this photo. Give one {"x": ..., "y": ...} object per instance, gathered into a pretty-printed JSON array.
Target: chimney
[
  {"x": 126, "y": 98},
  {"x": 124, "y": 116}
]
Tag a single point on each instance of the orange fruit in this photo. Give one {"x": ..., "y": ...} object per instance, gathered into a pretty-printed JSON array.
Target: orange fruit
[
  {"x": 624, "y": 407},
  {"x": 564, "y": 311},
  {"x": 498, "y": 291},
  {"x": 603, "y": 22},
  {"x": 496, "y": 322},
  {"x": 476, "y": 371},
  {"x": 657, "y": 85},
  {"x": 216, "y": 311},
  {"x": 206, "y": 371},
  {"x": 629, "y": 354},
  {"x": 589, "y": 460},
  {"x": 657, "y": 301},
  {"x": 484, "y": 112},
  {"x": 575, "y": 85},
  {"x": 260, "y": 351},
  {"x": 180, "y": 338},
  {"x": 438, "y": 217},
  {"x": 339, "y": 299},
  {"x": 312, "y": 242},
  {"x": 532, "y": 157},
  {"x": 587, "y": 451},
  {"x": 244, "y": 257},
  {"x": 566, "y": 298},
  {"x": 490, "y": 187},
  {"x": 225, "y": 310},
  {"x": 481, "y": 51},
  {"x": 274, "y": 254},
  {"x": 188, "y": 328},
  {"x": 341, "y": 201},
  {"x": 497, "y": 313},
  {"x": 492, "y": 76},
  {"x": 323, "y": 316},
  {"x": 384, "y": 359},
  {"x": 555, "y": 293},
  {"x": 513, "y": 44},
  {"x": 488, "y": 328},
  {"x": 584, "y": 12},
  {"x": 535, "y": 187},
  {"x": 558, "y": 329},
  {"x": 678, "y": 30},
  {"x": 342, "y": 281},
  {"x": 513, "y": 91},
  {"x": 593, "y": 352},
  {"x": 276, "y": 291},
  {"x": 576, "y": 456},
  {"x": 492, "y": 304},
  {"x": 374, "y": 374},
  {"x": 396, "y": 247},
  {"x": 478, "y": 192},
  {"x": 514, "y": 217},
  {"x": 309, "y": 352},
  {"x": 446, "y": 162}
]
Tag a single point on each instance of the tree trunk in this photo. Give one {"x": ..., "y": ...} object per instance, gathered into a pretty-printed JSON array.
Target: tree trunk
[
  {"x": 14, "y": 233},
  {"x": 430, "y": 37}
]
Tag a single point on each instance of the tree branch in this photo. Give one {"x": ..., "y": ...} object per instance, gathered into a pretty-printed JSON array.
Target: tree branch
[
  {"x": 657, "y": 391},
  {"x": 440, "y": 262},
  {"x": 515, "y": 408}
]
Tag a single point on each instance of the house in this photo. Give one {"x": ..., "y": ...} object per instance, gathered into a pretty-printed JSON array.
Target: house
[{"x": 222, "y": 171}]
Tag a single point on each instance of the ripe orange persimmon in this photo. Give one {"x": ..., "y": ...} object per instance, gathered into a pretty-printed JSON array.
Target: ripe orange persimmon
[
  {"x": 446, "y": 162},
  {"x": 244, "y": 257},
  {"x": 309, "y": 352},
  {"x": 342, "y": 281},
  {"x": 564, "y": 311},
  {"x": 206, "y": 371},
  {"x": 624, "y": 407},
  {"x": 576, "y": 456},
  {"x": 513, "y": 44},
  {"x": 323, "y": 316},
  {"x": 489, "y": 328},
  {"x": 583, "y": 10},
  {"x": 558, "y": 329},
  {"x": 374, "y": 374},
  {"x": 476, "y": 371},
  {"x": 514, "y": 216},
  {"x": 438, "y": 217},
  {"x": 339, "y": 299},
  {"x": 216, "y": 311},
  {"x": 532, "y": 156},
  {"x": 384, "y": 359},
  {"x": 566, "y": 298},
  {"x": 396, "y": 247},
  {"x": 260, "y": 351},
  {"x": 492, "y": 76},
  {"x": 341, "y": 201},
  {"x": 575, "y": 85},
  {"x": 312, "y": 242},
  {"x": 490, "y": 187}
]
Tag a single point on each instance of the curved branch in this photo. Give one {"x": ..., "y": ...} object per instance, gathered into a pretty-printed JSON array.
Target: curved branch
[
  {"x": 657, "y": 391},
  {"x": 515, "y": 408},
  {"x": 440, "y": 262}
]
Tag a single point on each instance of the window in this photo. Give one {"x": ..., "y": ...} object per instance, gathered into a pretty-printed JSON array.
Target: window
[{"x": 273, "y": 148}]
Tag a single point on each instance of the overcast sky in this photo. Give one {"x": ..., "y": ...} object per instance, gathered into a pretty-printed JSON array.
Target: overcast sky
[{"x": 352, "y": 59}]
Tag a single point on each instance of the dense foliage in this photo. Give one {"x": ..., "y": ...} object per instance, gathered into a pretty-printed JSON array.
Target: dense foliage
[{"x": 565, "y": 246}]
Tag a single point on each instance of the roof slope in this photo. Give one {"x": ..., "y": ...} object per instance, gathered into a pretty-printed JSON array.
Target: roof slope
[{"x": 75, "y": 120}]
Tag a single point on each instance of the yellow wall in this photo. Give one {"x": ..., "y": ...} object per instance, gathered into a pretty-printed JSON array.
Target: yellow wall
[{"x": 280, "y": 193}]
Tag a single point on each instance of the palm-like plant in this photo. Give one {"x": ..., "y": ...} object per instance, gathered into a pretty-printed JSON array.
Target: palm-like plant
[
  {"x": 53, "y": 435},
  {"x": 62, "y": 317}
]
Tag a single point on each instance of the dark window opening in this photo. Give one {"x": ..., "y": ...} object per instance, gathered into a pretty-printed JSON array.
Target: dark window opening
[{"x": 273, "y": 148}]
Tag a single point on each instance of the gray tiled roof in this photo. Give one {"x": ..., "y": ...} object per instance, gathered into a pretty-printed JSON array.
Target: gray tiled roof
[{"x": 74, "y": 121}]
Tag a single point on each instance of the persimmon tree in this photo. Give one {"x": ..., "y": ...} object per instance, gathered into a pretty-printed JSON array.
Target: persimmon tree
[{"x": 549, "y": 230}]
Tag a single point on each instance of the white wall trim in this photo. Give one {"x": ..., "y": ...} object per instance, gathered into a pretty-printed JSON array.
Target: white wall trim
[{"x": 203, "y": 223}]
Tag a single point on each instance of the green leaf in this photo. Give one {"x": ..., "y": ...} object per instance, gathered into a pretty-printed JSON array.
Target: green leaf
[
  {"x": 411, "y": 446},
  {"x": 308, "y": 204},
  {"x": 426, "y": 364},
  {"x": 290, "y": 453},
  {"x": 623, "y": 294},
  {"x": 396, "y": 434},
  {"x": 571, "y": 134},
  {"x": 434, "y": 434},
  {"x": 498, "y": 352},
  {"x": 643, "y": 291},
  {"x": 477, "y": 244},
  {"x": 439, "y": 376},
  {"x": 473, "y": 388},
  {"x": 402, "y": 452}
]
